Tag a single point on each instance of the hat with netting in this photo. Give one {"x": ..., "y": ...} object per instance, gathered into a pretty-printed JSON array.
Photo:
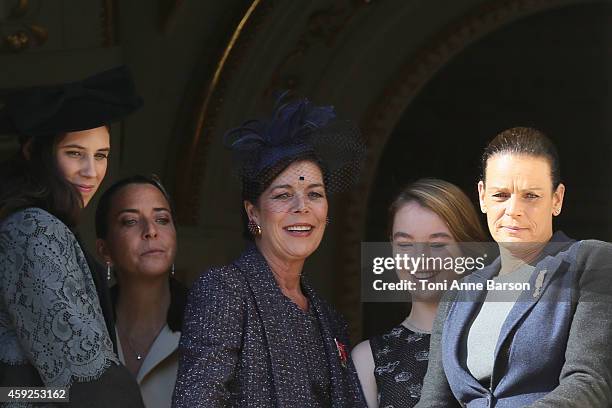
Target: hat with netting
[{"x": 298, "y": 130}]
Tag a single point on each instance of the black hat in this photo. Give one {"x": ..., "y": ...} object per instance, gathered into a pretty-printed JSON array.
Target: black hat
[{"x": 49, "y": 110}]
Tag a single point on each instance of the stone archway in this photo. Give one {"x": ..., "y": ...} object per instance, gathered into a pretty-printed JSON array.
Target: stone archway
[
  {"x": 371, "y": 59},
  {"x": 533, "y": 72}
]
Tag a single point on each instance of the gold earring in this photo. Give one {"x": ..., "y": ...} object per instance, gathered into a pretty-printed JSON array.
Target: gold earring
[{"x": 254, "y": 228}]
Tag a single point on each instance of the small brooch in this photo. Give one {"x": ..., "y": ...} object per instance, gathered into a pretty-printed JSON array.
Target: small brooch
[
  {"x": 539, "y": 283},
  {"x": 342, "y": 354}
]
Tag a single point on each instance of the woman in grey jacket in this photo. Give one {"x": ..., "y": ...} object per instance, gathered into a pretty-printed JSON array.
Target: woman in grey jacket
[{"x": 545, "y": 344}]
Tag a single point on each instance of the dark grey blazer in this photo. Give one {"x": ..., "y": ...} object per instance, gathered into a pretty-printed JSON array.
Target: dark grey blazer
[
  {"x": 554, "y": 349},
  {"x": 236, "y": 349}
]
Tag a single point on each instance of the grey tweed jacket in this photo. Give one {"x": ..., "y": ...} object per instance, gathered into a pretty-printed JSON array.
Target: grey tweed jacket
[{"x": 237, "y": 349}]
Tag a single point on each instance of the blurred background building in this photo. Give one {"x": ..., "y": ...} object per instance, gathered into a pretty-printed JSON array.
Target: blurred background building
[{"x": 429, "y": 82}]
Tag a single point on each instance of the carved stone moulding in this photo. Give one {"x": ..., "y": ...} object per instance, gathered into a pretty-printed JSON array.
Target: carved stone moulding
[
  {"x": 19, "y": 29},
  {"x": 191, "y": 169},
  {"x": 35, "y": 24},
  {"x": 322, "y": 28}
]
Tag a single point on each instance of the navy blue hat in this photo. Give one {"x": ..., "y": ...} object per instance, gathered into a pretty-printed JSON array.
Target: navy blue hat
[
  {"x": 49, "y": 110},
  {"x": 296, "y": 130}
]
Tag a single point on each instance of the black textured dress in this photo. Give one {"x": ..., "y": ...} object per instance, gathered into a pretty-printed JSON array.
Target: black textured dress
[
  {"x": 400, "y": 363},
  {"x": 305, "y": 327}
]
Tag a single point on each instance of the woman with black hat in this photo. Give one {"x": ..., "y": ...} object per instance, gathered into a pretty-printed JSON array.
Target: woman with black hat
[
  {"x": 255, "y": 333},
  {"x": 52, "y": 327}
]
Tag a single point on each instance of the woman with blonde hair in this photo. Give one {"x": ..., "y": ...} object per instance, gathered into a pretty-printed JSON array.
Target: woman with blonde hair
[{"x": 429, "y": 216}]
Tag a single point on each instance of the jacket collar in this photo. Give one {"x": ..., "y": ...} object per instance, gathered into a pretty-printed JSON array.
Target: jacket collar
[
  {"x": 468, "y": 302},
  {"x": 178, "y": 300},
  {"x": 271, "y": 306},
  {"x": 165, "y": 344}
]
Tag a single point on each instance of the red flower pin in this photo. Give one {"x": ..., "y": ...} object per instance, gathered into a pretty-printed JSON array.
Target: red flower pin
[{"x": 342, "y": 354}]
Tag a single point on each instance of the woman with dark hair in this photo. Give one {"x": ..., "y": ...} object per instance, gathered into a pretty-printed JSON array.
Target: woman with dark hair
[
  {"x": 543, "y": 342},
  {"x": 137, "y": 240},
  {"x": 255, "y": 332},
  {"x": 428, "y": 216},
  {"x": 52, "y": 326}
]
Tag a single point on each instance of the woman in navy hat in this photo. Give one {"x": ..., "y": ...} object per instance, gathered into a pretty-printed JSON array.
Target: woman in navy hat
[
  {"x": 52, "y": 328},
  {"x": 255, "y": 333}
]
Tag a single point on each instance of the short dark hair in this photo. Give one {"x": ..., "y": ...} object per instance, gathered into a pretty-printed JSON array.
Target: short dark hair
[
  {"x": 526, "y": 141},
  {"x": 106, "y": 200},
  {"x": 38, "y": 182}
]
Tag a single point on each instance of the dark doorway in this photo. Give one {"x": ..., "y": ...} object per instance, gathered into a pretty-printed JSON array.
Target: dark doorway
[{"x": 549, "y": 71}]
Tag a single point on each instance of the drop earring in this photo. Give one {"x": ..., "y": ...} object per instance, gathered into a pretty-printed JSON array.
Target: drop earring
[
  {"x": 108, "y": 271},
  {"x": 172, "y": 271}
]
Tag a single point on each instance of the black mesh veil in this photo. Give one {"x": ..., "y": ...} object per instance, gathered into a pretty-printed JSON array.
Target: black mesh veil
[{"x": 300, "y": 146}]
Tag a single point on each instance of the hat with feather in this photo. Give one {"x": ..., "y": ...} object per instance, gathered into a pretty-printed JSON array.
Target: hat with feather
[{"x": 299, "y": 130}]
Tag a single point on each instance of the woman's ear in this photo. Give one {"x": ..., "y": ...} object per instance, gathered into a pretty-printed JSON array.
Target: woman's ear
[
  {"x": 481, "y": 196},
  {"x": 558, "y": 199},
  {"x": 251, "y": 211},
  {"x": 102, "y": 251}
]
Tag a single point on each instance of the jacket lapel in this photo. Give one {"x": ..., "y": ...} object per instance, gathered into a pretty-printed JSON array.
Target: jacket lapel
[
  {"x": 272, "y": 312},
  {"x": 466, "y": 306},
  {"x": 539, "y": 282},
  {"x": 163, "y": 346}
]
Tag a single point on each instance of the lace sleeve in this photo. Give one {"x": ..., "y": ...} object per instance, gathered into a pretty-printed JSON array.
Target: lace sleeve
[{"x": 50, "y": 315}]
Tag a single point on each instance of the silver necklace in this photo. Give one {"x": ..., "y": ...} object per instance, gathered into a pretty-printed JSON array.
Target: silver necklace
[{"x": 138, "y": 355}]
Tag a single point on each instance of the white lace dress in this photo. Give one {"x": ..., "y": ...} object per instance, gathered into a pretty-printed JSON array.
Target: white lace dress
[{"x": 50, "y": 316}]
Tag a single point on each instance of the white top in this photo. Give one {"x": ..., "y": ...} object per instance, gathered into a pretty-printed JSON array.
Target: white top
[{"x": 157, "y": 374}]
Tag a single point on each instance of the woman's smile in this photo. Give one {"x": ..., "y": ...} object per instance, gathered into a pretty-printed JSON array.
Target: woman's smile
[{"x": 299, "y": 230}]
